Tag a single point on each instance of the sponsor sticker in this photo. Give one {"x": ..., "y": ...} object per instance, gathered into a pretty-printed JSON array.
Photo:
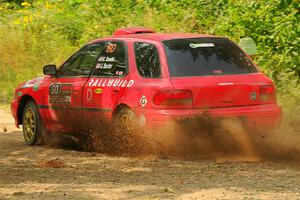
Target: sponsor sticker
[
  {"x": 35, "y": 87},
  {"x": 253, "y": 96},
  {"x": 60, "y": 93},
  {"x": 111, "y": 48},
  {"x": 218, "y": 71},
  {"x": 98, "y": 90},
  {"x": 197, "y": 45},
  {"x": 89, "y": 94},
  {"x": 119, "y": 73},
  {"x": 143, "y": 101}
]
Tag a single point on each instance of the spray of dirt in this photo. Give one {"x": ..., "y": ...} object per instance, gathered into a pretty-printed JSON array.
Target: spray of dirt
[
  {"x": 204, "y": 137},
  {"x": 200, "y": 137}
]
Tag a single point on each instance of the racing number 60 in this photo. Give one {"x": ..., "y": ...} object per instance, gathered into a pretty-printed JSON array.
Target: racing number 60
[{"x": 54, "y": 89}]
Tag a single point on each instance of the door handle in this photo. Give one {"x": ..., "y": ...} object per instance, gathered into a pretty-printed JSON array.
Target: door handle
[
  {"x": 115, "y": 91},
  {"x": 227, "y": 100},
  {"x": 75, "y": 92}
]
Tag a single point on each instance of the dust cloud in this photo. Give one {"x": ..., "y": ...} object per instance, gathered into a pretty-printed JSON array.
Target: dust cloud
[{"x": 200, "y": 137}]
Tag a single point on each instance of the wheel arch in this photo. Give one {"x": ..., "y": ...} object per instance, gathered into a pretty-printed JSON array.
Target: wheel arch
[
  {"x": 21, "y": 106},
  {"x": 119, "y": 107}
]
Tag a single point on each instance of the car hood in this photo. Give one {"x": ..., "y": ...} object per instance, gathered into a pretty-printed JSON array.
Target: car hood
[{"x": 32, "y": 83}]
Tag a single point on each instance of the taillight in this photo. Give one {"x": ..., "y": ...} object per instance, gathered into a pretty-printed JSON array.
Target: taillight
[
  {"x": 173, "y": 97},
  {"x": 267, "y": 93}
]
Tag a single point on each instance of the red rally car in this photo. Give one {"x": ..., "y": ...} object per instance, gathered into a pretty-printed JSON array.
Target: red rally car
[{"x": 149, "y": 77}]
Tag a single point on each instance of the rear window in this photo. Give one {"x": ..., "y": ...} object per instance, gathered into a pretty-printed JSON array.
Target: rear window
[
  {"x": 205, "y": 57},
  {"x": 147, "y": 60}
]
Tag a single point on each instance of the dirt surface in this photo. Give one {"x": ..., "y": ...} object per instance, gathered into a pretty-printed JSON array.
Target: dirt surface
[{"x": 43, "y": 172}]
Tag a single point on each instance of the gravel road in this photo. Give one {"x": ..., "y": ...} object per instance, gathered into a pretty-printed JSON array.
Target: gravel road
[{"x": 43, "y": 172}]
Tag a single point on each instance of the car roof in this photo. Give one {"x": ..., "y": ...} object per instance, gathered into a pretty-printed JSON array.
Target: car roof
[{"x": 155, "y": 36}]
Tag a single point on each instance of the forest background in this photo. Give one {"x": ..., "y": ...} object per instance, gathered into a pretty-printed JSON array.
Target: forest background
[{"x": 39, "y": 32}]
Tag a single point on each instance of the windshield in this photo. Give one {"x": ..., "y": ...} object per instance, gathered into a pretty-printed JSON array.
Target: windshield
[{"x": 206, "y": 56}]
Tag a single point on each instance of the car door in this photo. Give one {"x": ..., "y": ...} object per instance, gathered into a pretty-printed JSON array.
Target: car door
[
  {"x": 107, "y": 85},
  {"x": 65, "y": 89}
]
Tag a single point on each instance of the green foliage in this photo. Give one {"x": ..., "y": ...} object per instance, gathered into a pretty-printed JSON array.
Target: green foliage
[{"x": 35, "y": 33}]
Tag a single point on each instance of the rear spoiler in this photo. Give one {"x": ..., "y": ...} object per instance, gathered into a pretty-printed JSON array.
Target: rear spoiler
[{"x": 135, "y": 30}]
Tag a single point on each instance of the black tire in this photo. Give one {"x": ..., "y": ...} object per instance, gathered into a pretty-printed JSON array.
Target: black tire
[
  {"x": 125, "y": 117},
  {"x": 32, "y": 124}
]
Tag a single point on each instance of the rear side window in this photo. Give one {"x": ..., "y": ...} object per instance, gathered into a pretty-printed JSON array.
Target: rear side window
[
  {"x": 147, "y": 60},
  {"x": 206, "y": 56},
  {"x": 82, "y": 62},
  {"x": 112, "y": 60}
]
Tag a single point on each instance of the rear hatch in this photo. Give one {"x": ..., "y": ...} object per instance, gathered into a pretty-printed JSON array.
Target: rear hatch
[{"x": 216, "y": 71}]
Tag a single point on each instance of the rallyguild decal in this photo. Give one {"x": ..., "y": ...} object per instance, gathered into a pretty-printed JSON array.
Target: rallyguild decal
[{"x": 110, "y": 83}]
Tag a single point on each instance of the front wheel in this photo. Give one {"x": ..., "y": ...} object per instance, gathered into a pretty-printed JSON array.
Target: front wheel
[{"x": 31, "y": 122}]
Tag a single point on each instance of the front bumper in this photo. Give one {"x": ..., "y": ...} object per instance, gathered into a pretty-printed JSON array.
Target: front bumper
[{"x": 258, "y": 116}]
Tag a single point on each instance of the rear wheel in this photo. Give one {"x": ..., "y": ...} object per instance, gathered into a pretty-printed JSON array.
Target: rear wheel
[
  {"x": 126, "y": 135},
  {"x": 31, "y": 122},
  {"x": 125, "y": 117}
]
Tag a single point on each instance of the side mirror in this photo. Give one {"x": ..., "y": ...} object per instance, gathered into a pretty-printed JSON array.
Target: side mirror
[
  {"x": 248, "y": 45},
  {"x": 49, "y": 70}
]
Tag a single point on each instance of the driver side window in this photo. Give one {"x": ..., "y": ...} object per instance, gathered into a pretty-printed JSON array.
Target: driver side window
[{"x": 82, "y": 62}]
